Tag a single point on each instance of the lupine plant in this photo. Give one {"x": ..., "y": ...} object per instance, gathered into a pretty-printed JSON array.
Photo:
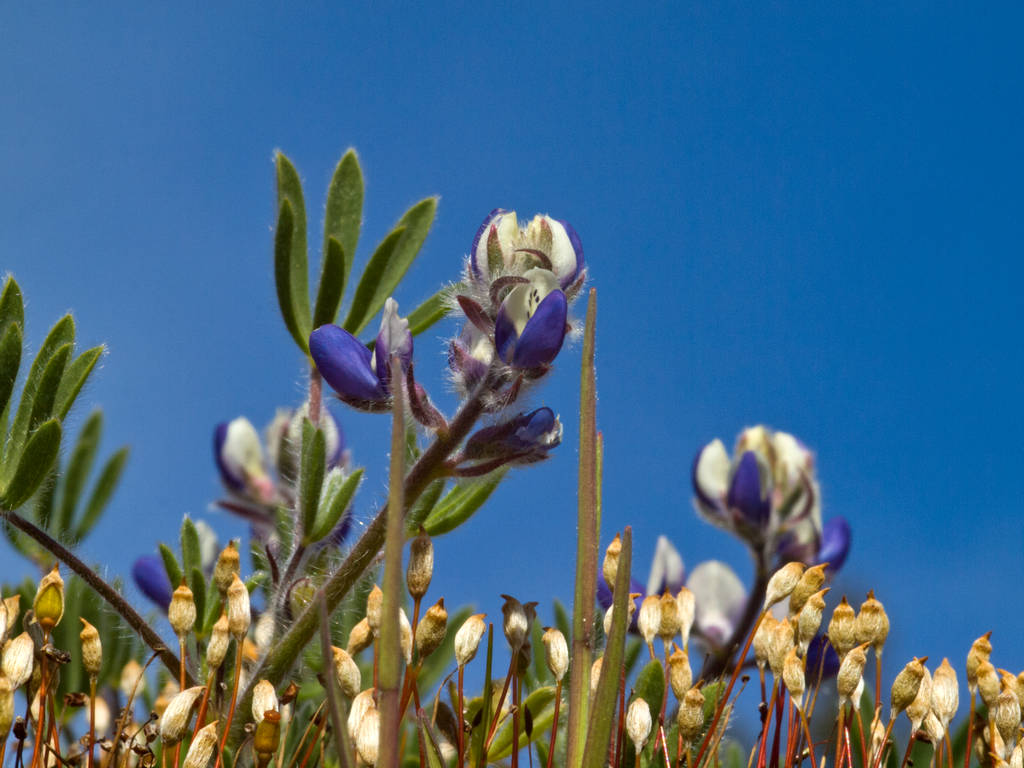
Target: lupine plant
[{"x": 305, "y": 645}]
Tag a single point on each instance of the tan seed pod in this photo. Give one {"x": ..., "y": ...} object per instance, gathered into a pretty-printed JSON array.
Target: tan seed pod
[
  {"x": 638, "y": 723},
  {"x": 217, "y": 648},
  {"x": 670, "y": 622},
  {"x": 762, "y": 640},
  {"x": 980, "y": 651},
  {"x": 919, "y": 708},
  {"x": 933, "y": 728},
  {"x": 809, "y": 619},
  {"x": 13, "y": 606},
  {"x": 906, "y": 685},
  {"x": 176, "y": 717},
  {"x": 687, "y": 603},
  {"x": 1017, "y": 756},
  {"x": 850, "y": 675},
  {"x": 92, "y": 648},
  {"x": 49, "y": 603},
  {"x": 517, "y": 622},
  {"x": 649, "y": 619},
  {"x": 239, "y": 612},
  {"x": 346, "y": 671},
  {"x": 872, "y": 624},
  {"x": 610, "y": 565},
  {"x": 5, "y": 622},
  {"x": 783, "y": 639},
  {"x": 690, "y": 718},
  {"x": 420, "y": 569},
  {"x": 680, "y": 675},
  {"x": 467, "y": 639},
  {"x": 782, "y": 583},
  {"x": 374, "y": 606},
  {"x": 990, "y": 745},
  {"x": 201, "y": 749},
  {"x": 810, "y": 582},
  {"x": 1019, "y": 687},
  {"x": 182, "y": 610},
  {"x": 6, "y": 707},
  {"x": 556, "y": 652},
  {"x": 793, "y": 677},
  {"x": 264, "y": 699},
  {"x": 360, "y": 638},
  {"x": 1006, "y": 714},
  {"x": 405, "y": 636},
  {"x": 595, "y": 674},
  {"x": 267, "y": 738},
  {"x": 988, "y": 683},
  {"x": 945, "y": 693},
  {"x": 228, "y": 565},
  {"x": 367, "y": 738},
  {"x": 842, "y": 633},
  {"x": 431, "y": 630},
  {"x": 877, "y": 732},
  {"x": 361, "y": 704}
]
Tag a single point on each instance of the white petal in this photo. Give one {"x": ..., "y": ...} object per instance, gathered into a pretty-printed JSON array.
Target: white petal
[
  {"x": 791, "y": 459},
  {"x": 241, "y": 452},
  {"x": 523, "y": 300},
  {"x": 563, "y": 255},
  {"x": 720, "y": 596},
  {"x": 395, "y": 330},
  {"x": 713, "y": 470},
  {"x": 666, "y": 567},
  {"x": 508, "y": 238}
]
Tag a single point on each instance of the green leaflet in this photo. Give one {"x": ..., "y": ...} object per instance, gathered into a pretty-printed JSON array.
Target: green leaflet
[
  {"x": 285, "y": 278},
  {"x": 337, "y": 494},
  {"x": 332, "y": 284},
  {"x": 289, "y": 188},
  {"x": 174, "y": 574},
  {"x": 102, "y": 492},
  {"x": 33, "y": 465},
  {"x": 10, "y": 362},
  {"x": 74, "y": 379},
  {"x": 460, "y": 503},
  {"x": 77, "y": 472},
  {"x": 311, "y": 475},
  {"x": 49, "y": 383},
  {"x": 429, "y": 312},
  {"x": 424, "y": 504},
  {"x": 12, "y": 307},
  {"x": 344, "y": 212},
  {"x": 190, "y": 552}
]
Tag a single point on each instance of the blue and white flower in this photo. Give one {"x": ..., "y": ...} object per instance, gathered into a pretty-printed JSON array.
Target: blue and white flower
[
  {"x": 502, "y": 248},
  {"x": 523, "y": 439},
  {"x": 240, "y": 461},
  {"x": 531, "y": 323}
]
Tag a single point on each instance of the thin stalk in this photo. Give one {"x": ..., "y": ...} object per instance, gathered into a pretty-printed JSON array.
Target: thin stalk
[
  {"x": 316, "y": 739},
  {"x": 461, "y": 715},
  {"x": 305, "y": 733},
  {"x": 885, "y": 744},
  {"x": 205, "y": 702},
  {"x": 92, "y": 722},
  {"x": 807, "y": 735},
  {"x": 234, "y": 699},
  {"x": 554, "y": 722},
  {"x": 878, "y": 679},
  {"x": 41, "y": 717},
  {"x": 970, "y": 726},
  {"x": 501, "y": 700},
  {"x": 779, "y": 703},
  {"x": 910, "y": 747}
]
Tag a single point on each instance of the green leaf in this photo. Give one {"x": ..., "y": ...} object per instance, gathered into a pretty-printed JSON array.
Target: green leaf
[
  {"x": 344, "y": 212},
  {"x": 429, "y": 312},
  {"x": 289, "y": 188},
  {"x": 197, "y": 583},
  {"x": 460, "y": 503},
  {"x": 34, "y": 464},
  {"x": 10, "y": 361},
  {"x": 428, "y": 744},
  {"x": 102, "y": 492},
  {"x": 337, "y": 494},
  {"x": 389, "y": 264},
  {"x": 74, "y": 379},
  {"x": 49, "y": 383},
  {"x": 191, "y": 555},
  {"x": 562, "y": 619},
  {"x": 541, "y": 704},
  {"x": 285, "y": 278},
  {"x": 79, "y": 466},
  {"x": 332, "y": 284},
  {"x": 46, "y": 498},
  {"x": 423, "y": 505},
  {"x": 12, "y": 308},
  {"x": 650, "y": 685},
  {"x": 311, "y": 475},
  {"x": 174, "y": 574}
]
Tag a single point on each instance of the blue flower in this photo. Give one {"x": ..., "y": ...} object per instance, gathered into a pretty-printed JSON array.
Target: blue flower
[
  {"x": 531, "y": 323},
  {"x": 501, "y": 247},
  {"x": 524, "y": 438},
  {"x": 239, "y": 456},
  {"x": 151, "y": 578},
  {"x": 835, "y": 543}
]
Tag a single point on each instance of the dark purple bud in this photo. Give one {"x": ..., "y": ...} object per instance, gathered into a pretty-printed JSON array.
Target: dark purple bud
[
  {"x": 835, "y": 543},
  {"x": 344, "y": 362},
  {"x": 151, "y": 579},
  {"x": 745, "y": 493},
  {"x": 533, "y": 433}
]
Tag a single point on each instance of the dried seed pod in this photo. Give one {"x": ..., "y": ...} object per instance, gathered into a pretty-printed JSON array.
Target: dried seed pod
[
  {"x": 670, "y": 622},
  {"x": 782, "y": 583},
  {"x": 810, "y": 582},
  {"x": 988, "y": 683},
  {"x": 1006, "y": 714},
  {"x": 1017, "y": 756},
  {"x": 49, "y": 603},
  {"x": 556, "y": 652},
  {"x": 793, "y": 677},
  {"x": 421, "y": 565},
  {"x": 649, "y": 619},
  {"x": 933, "y": 727},
  {"x": 906, "y": 685},
  {"x": 374, "y": 606},
  {"x": 228, "y": 566},
  {"x": 217, "y": 648},
  {"x": 346, "y": 671},
  {"x": 5, "y": 622},
  {"x": 919, "y": 708},
  {"x": 783, "y": 639},
  {"x": 360, "y": 638},
  {"x": 431, "y": 630},
  {"x": 182, "y": 610},
  {"x": 872, "y": 624},
  {"x": 239, "y": 612},
  {"x": 405, "y": 636},
  {"x": 367, "y": 737},
  {"x": 842, "y": 633},
  {"x": 517, "y": 622},
  {"x": 850, "y": 675},
  {"x": 361, "y": 704},
  {"x": 980, "y": 651},
  {"x": 467, "y": 639},
  {"x": 690, "y": 718},
  {"x": 610, "y": 565},
  {"x": 264, "y": 699},
  {"x": 267, "y": 738},
  {"x": 680, "y": 675},
  {"x": 176, "y": 717},
  {"x": 92, "y": 648},
  {"x": 945, "y": 693},
  {"x": 6, "y": 707},
  {"x": 638, "y": 723},
  {"x": 877, "y": 736},
  {"x": 201, "y": 749},
  {"x": 762, "y": 640},
  {"x": 809, "y": 619},
  {"x": 595, "y": 674},
  {"x": 13, "y": 606},
  {"x": 687, "y": 603}
]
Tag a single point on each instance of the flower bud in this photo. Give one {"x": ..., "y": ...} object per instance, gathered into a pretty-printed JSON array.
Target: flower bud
[
  {"x": 649, "y": 619},
  {"x": 182, "y": 610},
  {"x": 346, "y": 671},
  {"x": 267, "y": 737},
  {"x": 793, "y": 677},
  {"x": 405, "y": 636},
  {"x": 421, "y": 565},
  {"x": 517, "y": 622},
  {"x": 12, "y": 606},
  {"x": 872, "y": 624},
  {"x": 919, "y": 708},
  {"x": 980, "y": 651},
  {"x": 782, "y": 583},
  {"x": 361, "y": 704},
  {"x": 367, "y": 737},
  {"x": 431, "y": 630},
  {"x": 842, "y": 633},
  {"x": 906, "y": 686},
  {"x": 227, "y": 567},
  {"x": 610, "y": 566},
  {"x": 762, "y": 640},
  {"x": 1006, "y": 714},
  {"x": 374, "y": 606},
  {"x": 6, "y": 707},
  {"x": 92, "y": 649},
  {"x": 850, "y": 674},
  {"x": 783, "y": 639},
  {"x": 133, "y": 681},
  {"x": 217, "y": 648},
  {"x": 809, "y": 620},
  {"x": 945, "y": 693},
  {"x": 201, "y": 749},
  {"x": 176, "y": 717},
  {"x": 810, "y": 582},
  {"x": 933, "y": 727},
  {"x": 18, "y": 660},
  {"x": 638, "y": 723},
  {"x": 1017, "y": 756},
  {"x": 467, "y": 639},
  {"x": 690, "y": 718},
  {"x": 595, "y": 674},
  {"x": 680, "y": 676},
  {"x": 264, "y": 699},
  {"x": 556, "y": 652},
  {"x": 670, "y": 622},
  {"x": 49, "y": 602},
  {"x": 687, "y": 603},
  {"x": 360, "y": 638},
  {"x": 239, "y": 613},
  {"x": 988, "y": 683}
]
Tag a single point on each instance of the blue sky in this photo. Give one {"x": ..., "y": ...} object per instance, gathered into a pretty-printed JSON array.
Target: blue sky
[{"x": 801, "y": 215}]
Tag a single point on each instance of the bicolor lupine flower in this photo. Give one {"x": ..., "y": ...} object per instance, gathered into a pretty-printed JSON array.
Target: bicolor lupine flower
[
  {"x": 523, "y": 439},
  {"x": 531, "y": 323},
  {"x": 239, "y": 456},
  {"x": 720, "y": 601},
  {"x": 361, "y": 377},
  {"x": 151, "y": 579},
  {"x": 502, "y": 248}
]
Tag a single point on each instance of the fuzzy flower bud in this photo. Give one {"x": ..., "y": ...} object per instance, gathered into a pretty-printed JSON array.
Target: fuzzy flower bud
[
  {"x": 690, "y": 718},
  {"x": 517, "y": 622},
  {"x": 361, "y": 704},
  {"x": 201, "y": 749},
  {"x": 872, "y": 624},
  {"x": 649, "y": 619},
  {"x": 810, "y": 582},
  {"x": 431, "y": 629},
  {"x": 945, "y": 693},
  {"x": 782, "y": 583},
  {"x": 367, "y": 737},
  {"x": 556, "y": 652},
  {"x": 18, "y": 660},
  {"x": 762, "y": 640},
  {"x": 175, "y": 719},
  {"x": 793, "y": 677},
  {"x": 980, "y": 651},
  {"x": 783, "y": 640},
  {"x": 346, "y": 672},
  {"x": 1006, "y": 714},
  {"x": 228, "y": 565},
  {"x": 421, "y": 565},
  {"x": 680, "y": 676},
  {"x": 92, "y": 648},
  {"x": 687, "y": 603},
  {"x": 264, "y": 699},
  {"x": 610, "y": 565},
  {"x": 217, "y": 648},
  {"x": 360, "y": 638},
  {"x": 906, "y": 686},
  {"x": 239, "y": 613},
  {"x": 638, "y": 723},
  {"x": 850, "y": 675},
  {"x": 809, "y": 620},
  {"x": 467, "y": 639},
  {"x": 405, "y": 636},
  {"x": 988, "y": 683},
  {"x": 919, "y": 708},
  {"x": 670, "y": 622},
  {"x": 49, "y": 602},
  {"x": 842, "y": 632},
  {"x": 374, "y": 606},
  {"x": 182, "y": 610}
]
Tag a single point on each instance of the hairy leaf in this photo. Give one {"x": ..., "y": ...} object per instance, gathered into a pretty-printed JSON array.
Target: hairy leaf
[
  {"x": 335, "y": 499},
  {"x": 344, "y": 212},
  {"x": 79, "y": 466},
  {"x": 10, "y": 361},
  {"x": 74, "y": 379},
  {"x": 460, "y": 503},
  {"x": 33, "y": 465},
  {"x": 332, "y": 284},
  {"x": 102, "y": 492},
  {"x": 311, "y": 474}
]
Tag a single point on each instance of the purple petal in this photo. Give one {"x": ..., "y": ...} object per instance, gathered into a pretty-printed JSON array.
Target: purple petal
[
  {"x": 476, "y": 241},
  {"x": 835, "y": 543},
  {"x": 504, "y": 334},
  {"x": 151, "y": 578},
  {"x": 604, "y": 595},
  {"x": 745, "y": 491},
  {"x": 577, "y": 246},
  {"x": 344, "y": 362},
  {"x": 232, "y": 481},
  {"x": 544, "y": 333},
  {"x": 534, "y": 426}
]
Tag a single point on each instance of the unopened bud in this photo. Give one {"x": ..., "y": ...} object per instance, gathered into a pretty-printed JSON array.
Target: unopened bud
[
  {"x": 264, "y": 699},
  {"x": 360, "y": 638},
  {"x": 201, "y": 749},
  {"x": 687, "y": 603},
  {"x": 367, "y": 738},
  {"x": 239, "y": 613},
  {"x": 227, "y": 567},
  {"x": 49, "y": 602},
  {"x": 374, "y": 607},
  {"x": 850, "y": 675},
  {"x": 809, "y": 620},
  {"x": 649, "y": 619},
  {"x": 217, "y": 648},
  {"x": 782, "y": 583},
  {"x": 361, "y": 704},
  {"x": 872, "y": 624},
  {"x": 783, "y": 640},
  {"x": 421, "y": 565},
  {"x": 176, "y": 717},
  {"x": 1006, "y": 714},
  {"x": 945, "y": 693},
  {"x": 842, "y": 633},
  {"x": 431, "y": 629},
  {"x": 680, "y": 676},
  {"x": 467, "y": 639},
  {"x": 6, "y": 707},
  {"x": 346, "y": 672},
  {"x": 690, "y": 718},
  {"x": 267, "y": 737},
  {"x": 906, "y": 685},
  {"x": 988, "y": 683},
  {"x": 18, "y": 660},
  {"x": 793, "y": 677},
  {"x": 405, "y": 636},
  {"x": 638, "y": 723},
  {"x": 610, "y": 566},
  {"x": 809, "y": 583},
  {"x": 919, "y": 708},
  {"x": 980, "y": 651},
  {"x": 595, "y": 674},
  {"x": 762, "y": 640},
  {"x": 92, "y": 648},
  {"x": 182, "y": 610},
  {"x": 670, "y": 619},
  {"x": 517, "y": 621},
  {"x": 556, "y": 652}
]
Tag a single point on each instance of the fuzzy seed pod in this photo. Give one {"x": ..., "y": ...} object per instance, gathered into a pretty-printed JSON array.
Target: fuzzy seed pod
[
  {"x": 782, "y": 583},
  {"x": 239, "y": 613},
  {"x": 850, "y": 675},
  {"x": 517, "y": 622},
  {"x": 201, "y": 749},
  {"x": 608, "y": 616},
  {"x": 1019, "y": 687},
  {"x": 467, "y": 639},
  {"x": 18, "y": 660},
  {"x": 670, "y": 622},
  {"x": 988, "y": 683},
  {"x": 793, "y": 677},
  {"x": 945, "y": 693},
  {"x": 933, "y": 728},
  {"x": 638, "y": 723},
  {"x": 217, "y": 648},
  {"x": 176, "y": 717},
  {"x": 809, "y": 619},
  {"x": 690, "y": 718},
  {"x": 610, "y": 565},
  {"x": 5, "y": 623},
  {"x": 92, "y": 648},
  {"x": 762, "y": 640},
  {"x": 182, "y": 610},
  {"x": 783, "y": 640},
  {"x": 227, "y": 567},
  {"x": 980, "y": 651},
  {"x": 906, "y": 686},
  {"x": 680, "y": 676},
  {"x": 872, "y": 624},
  {"x": 1017, "y": 756},
  {"x": 687, "y": 603},
  {"x": 421, "y": 565},
  {"x": 360, "y": 638},
  {"x": 649, "y": 620},
  {"x": 405, "y": 636},
  {"x": 810, "y": 582},
  {"x": 361, "y": 704},
  {"x": 367, "y": 738},
  {"x": 842, "y": 632},
  {"x": 49, "y": 602},
  {"x": 990, "y": 747},
  {"x": 374, "y": 606},
  {"x": 6, "y": 707},
  {"x": 264, "y": 699},
  {"x": 919, "y": 708},
  {"x": 346, "y": 671},
  {"x": 556, "y": 652},
  {"x": 595, "y": 674},
  {"x": 267, "y": 737},
  {"x": 1006, "y": 714},
  {"x": 431, "y": 630},
  {"x": 13, "y": 606},
  {"x": 132, "y": 678}
]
